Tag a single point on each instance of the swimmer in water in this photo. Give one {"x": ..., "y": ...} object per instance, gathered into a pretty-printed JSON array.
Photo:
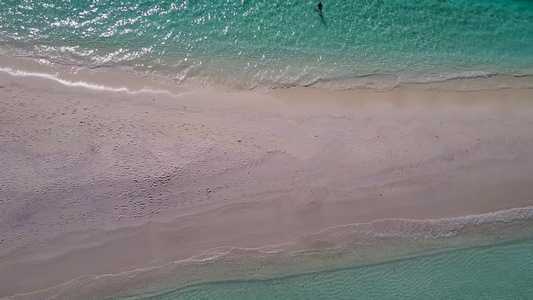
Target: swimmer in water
[{"x": 319, "y": 8}]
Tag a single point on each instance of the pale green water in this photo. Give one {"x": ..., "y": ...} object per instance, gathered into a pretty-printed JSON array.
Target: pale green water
[
  {"x": 264, "y": 44},
  {"x": 502, "y": 271}
]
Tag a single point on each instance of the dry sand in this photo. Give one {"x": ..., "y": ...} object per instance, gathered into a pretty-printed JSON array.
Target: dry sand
[{"x": 100, "y": 182}]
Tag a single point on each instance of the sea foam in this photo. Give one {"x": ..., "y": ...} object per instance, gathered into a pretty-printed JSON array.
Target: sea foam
[
  {"x": 333, "y": 248},
  {"x": 257, "y": 45}
]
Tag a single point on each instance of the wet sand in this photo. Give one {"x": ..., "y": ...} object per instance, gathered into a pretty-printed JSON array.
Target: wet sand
[{"x": 101, "y": 182}]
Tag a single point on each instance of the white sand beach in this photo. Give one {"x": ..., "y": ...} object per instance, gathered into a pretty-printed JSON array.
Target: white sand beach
[{"x": 101, "y": 182}]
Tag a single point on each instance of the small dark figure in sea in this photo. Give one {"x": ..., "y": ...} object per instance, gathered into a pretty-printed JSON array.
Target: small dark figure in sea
[{"x": 319, "y": 8}]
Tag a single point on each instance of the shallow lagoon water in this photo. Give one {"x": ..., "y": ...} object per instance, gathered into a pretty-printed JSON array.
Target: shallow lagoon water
[
  {"x": 245, "y": 44},
  {"x": 500, "y": 271}
]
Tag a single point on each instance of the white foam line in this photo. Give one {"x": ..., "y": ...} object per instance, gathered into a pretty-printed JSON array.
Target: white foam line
[
  {"x": 86, "y": 85},
  {"x": 527, "y": 213}
]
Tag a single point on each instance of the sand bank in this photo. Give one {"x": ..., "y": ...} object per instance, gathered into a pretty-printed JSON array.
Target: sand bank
[{"x": 100, "y": 182}]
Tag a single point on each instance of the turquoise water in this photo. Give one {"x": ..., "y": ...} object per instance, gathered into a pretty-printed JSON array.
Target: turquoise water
[
  {"x": 249, "y": 44},
  {"x": 502, "y": 271}
]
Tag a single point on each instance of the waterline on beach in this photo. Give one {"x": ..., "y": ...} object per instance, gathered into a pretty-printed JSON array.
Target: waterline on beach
[
  {"x": 488, "y": 272},
  {"x": 253, "y": 45},
  {"x": 371, "y": 248}
]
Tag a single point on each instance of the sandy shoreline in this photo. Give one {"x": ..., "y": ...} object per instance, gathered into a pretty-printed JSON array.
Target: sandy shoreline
[{"x": 99, "y": 182}]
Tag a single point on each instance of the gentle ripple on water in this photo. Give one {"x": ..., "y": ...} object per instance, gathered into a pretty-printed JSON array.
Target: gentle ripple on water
[
  {"x": 248, "y": 43},
  {"x": 492, "y": 272}
]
